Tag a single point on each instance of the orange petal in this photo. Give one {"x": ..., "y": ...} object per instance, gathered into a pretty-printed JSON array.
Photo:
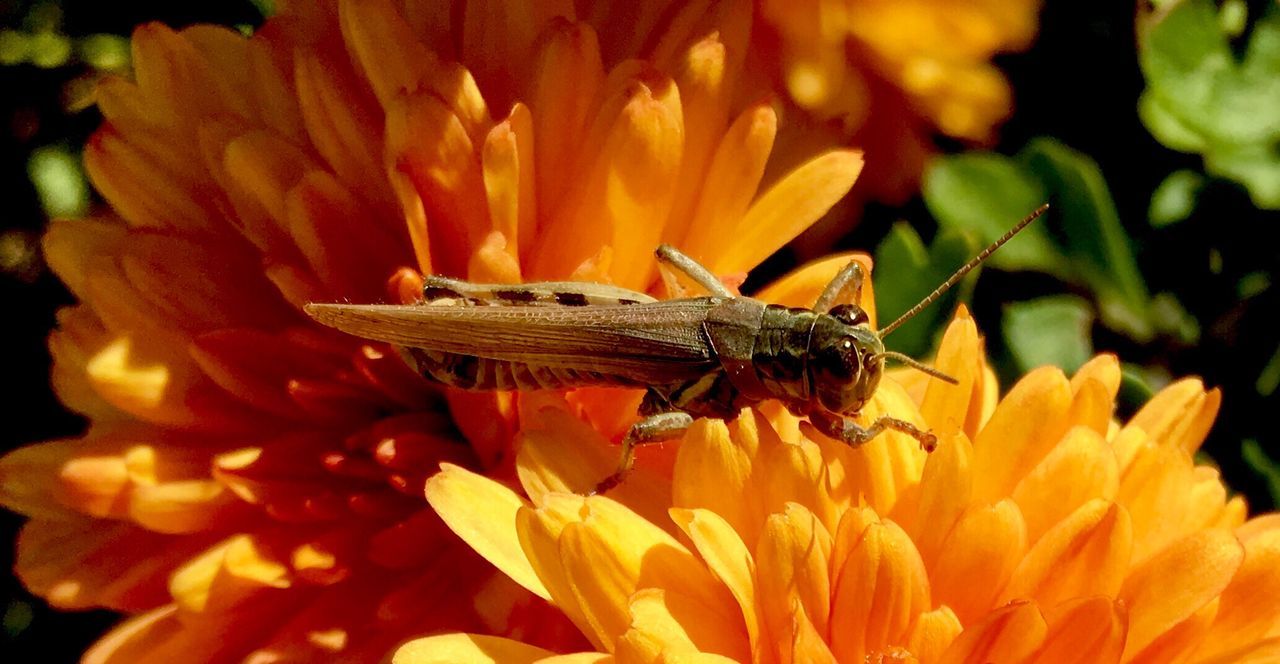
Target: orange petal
[
  {"x": 977, "y": 559},
  {"x": 945, "y": 486},
  {"x": 710, "y": 450},
  {"x": 508, "y": 162},
  {"x": 1156, "y": 488},
  {"x": 792, "y": 563},
  {"x": 483, "y": 513},
  {"x": 560, "y": 453},
  {"x": 959, "y": 356},
  {"x": 1080, "y": 468},
  {"x": 807, "y": 644},
  {"x": 1249, "y": 611},
  {"x": 1009, "y": 634},
  {"x": 540, "y": 529},
  {"x": 1094, "y": 387},
  {"x": 729, "y": 560},
  {"x": 1083, "y": 632},
  {"x": 568, "y": 78},
  {"x": 704, "y": 94},
  {"x": 1180, "y": 415},
  {"x": 1087, "y": 553},
  {"x": 878, "y": 593},
  {"x": 884, "y": 470},
  {"x": 788, "y": 208},
  {"x": 1029, "y": 421},
  {"x": 1176, "y": 583},
  {"x": 932, "y": 633},
  {"x": 612, "y": 553},
  {"x": 467, "y": 649},
  {"x": 666, "y": 623},
  {"x": 731, "y": 181}
]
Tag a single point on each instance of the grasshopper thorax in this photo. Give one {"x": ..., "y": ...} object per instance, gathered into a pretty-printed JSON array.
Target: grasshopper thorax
[{"x": 846, "y": 359}]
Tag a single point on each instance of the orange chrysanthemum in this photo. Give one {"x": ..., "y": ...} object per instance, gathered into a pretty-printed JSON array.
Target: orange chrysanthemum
[
  {"x": 251, "y": 484},
  {"x": 1040, "y": 530},
  {"x": 894, "y": 73}
]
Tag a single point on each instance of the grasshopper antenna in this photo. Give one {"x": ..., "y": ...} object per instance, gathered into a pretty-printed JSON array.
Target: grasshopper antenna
[
  {"x": 964, "y": 269},
  {"x": 914, "y": 364}
]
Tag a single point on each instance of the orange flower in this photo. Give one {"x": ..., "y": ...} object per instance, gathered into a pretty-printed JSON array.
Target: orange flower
[
  {"x": 1040, "y": 530},
  {"x": 251, "y": 484},
  {"x": 892, "y": 73}
]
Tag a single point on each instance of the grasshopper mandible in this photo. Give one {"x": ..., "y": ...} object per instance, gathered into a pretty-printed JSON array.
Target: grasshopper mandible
[{"x": 707, "y": 356}]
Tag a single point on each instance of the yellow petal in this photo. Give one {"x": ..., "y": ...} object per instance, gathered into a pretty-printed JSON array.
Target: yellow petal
[
  {"x": 612, "y": 553},
  {"x": 1080, "y": 468},
  {"x": 226, "y": 574},
  {"x": 728, "y": 559},
  {"x": 933, "y": 633},
  {"x": 788, "y": 208},
  {"x": 945, "y": 487},
  {"x": 1178, "y": 641},
  {"x": 878, "y": 593},
  {"x": 959, "y": 356},
  {"x": 483, "y": 513},
  {"x": 709, "y": 450},
  {"x": 731, "y": 182},
  {"x": 1094, "y": 387},
  {"x": 977, "y": 559},
  {"x": 1084, "y": 631},
  {"x": 508, "y": 163},
  {"x": 467, "y": 649},
  {"x": 704, "y": 92},
  {"x": 1180, "y": 415},
  {"x": 792, "y": 563},
  {"x": 1176, "y": 583},
  {"x": 664, "y": 623},
  {"x": 1029, "y": 421},
  {"x": 1249, "y": 611},
  {"x": 1156, "y": 488},
  {"x": 1009, "y": 634},
  {"x": 540, "y": 529},
  {"x": 806, "y": 643},
  {"x": 560, "y": 453},
  {"x": 1087, "y": 553}
]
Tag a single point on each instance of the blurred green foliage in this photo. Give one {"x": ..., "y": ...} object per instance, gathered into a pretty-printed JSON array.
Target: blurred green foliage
[{"x": 1202, "y": 97}]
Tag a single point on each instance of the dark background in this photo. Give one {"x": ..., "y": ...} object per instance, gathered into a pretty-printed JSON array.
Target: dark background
[{"x": 1079, "y": 83}]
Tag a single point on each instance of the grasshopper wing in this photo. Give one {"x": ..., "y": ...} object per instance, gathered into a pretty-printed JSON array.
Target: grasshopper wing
[{"x": 656, "y": 343}]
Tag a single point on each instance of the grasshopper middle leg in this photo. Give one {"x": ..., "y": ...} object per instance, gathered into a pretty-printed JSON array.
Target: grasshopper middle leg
[
  {"x": 693, "y": 269},
  {"x": 652, "y": 429},
  {"x": 846, "y": 283}
]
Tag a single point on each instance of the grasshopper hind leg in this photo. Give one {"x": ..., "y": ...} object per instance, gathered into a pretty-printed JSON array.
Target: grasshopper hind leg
[{"x": 652, "y": 429}]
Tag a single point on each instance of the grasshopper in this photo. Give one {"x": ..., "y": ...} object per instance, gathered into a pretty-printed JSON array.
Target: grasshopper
[{"x": 707, "y": 356}]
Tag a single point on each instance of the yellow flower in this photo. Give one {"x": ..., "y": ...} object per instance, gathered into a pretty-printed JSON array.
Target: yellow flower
[
  {"x": 1040, "y": 530},
  {"x": 251, "y": 484},
  {"x": 893, "y": 73}
]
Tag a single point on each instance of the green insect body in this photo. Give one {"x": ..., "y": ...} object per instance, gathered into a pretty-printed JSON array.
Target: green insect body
[{"x": 708, "y": 356}]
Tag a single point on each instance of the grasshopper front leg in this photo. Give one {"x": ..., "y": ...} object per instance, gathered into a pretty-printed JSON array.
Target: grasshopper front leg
[
  {"x": 845, "y": 429},
  {"x": 652, "y": 429}
]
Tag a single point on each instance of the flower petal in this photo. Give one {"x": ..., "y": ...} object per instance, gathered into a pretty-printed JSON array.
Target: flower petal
[
  {"x": 1029, "y": 421},
  {"x": 1009, "y": 634},
  {"x": 664, "y": 623},
  {"x": 1084, "y": 631},
  {"x": 878, "y": 593},
  {"x": 1249, "y": 611},
  {"x": 945, "y": 487},
  {"x": 792, "y": 564},
  {"x": 1176, "y": 583},
  {"x": 978, "y": 558},
  {"x": 802, "y": 286},
  {"x": 959, "y": 356},
  {"x": 1179, "y": 415},
  {"x": 709, "y": 449},
  {"x": 932, "y": 633},
  {"x": 483, "y": 513},
  {"x": 612, "y": 553},
  {"x": 786, "y": 209},
  {"x": 1087, "y": 553},
  {"x": 1045, "y": 498},
  {"x": 729, "y": 560},
  {"x": 467, "y": 649}
]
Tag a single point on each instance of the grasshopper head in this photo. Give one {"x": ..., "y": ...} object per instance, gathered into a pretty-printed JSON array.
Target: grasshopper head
[{"x": 847, "y": 360}]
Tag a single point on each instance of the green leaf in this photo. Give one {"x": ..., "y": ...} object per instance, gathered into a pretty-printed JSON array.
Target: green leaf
[
  {"x": 906, "y": 272},
  {"x": 1175, "y": 199},
  {"x": 59, "y": 181},
  {"x": 1136, "y": 386},
  {"x": 1095, "y": 241},
  {"x": 984, "y": 194},
  {"x": 1050, "y": 330},
  {"x": 1262, "y": 464},
  {"x": 1200, "y": 98}
]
